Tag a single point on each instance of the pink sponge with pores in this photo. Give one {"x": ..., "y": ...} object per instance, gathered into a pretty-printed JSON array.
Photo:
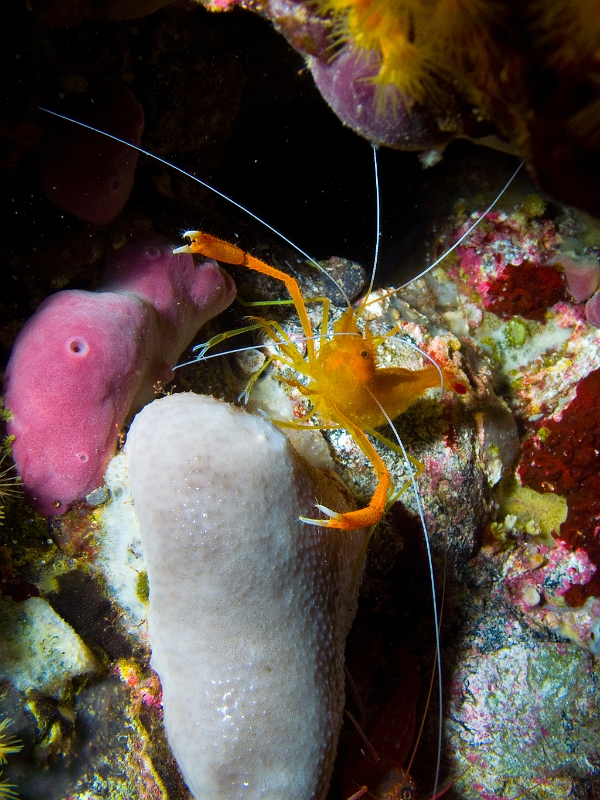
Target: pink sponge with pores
[
  {"x": 185, "y": 295},
  {"x": 86, "y": 359},
  {"x": 68, "y": 385}
]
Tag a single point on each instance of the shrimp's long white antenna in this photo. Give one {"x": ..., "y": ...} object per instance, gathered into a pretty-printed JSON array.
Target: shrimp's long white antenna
[
  {"x": 438, "y": 649},
  {"x": 377, "y": 219},
  {"x": 415, "y": 488},
  {"x": 464, "y": 236},
  {"x": 206, "y": 186},
  {"x": 377, "y": 229}
]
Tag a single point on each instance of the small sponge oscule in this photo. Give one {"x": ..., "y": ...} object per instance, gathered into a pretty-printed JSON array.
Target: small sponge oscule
[{"x": 249, "y": 607}]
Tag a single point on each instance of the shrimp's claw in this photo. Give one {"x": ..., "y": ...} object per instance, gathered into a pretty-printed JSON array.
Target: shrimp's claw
[
  {"x": 188, "y": 248},
  {"x": 371, "y": 514},
  {"x": 322, "y": 523},
  {"x": 211, "y": 247},
  {"x": 349, "y": 520}
]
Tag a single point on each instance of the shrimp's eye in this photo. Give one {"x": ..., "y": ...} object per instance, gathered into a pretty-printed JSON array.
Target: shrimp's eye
[{"x": 407, "y": 793}]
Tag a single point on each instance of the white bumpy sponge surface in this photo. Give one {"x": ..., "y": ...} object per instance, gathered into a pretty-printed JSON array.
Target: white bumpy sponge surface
[{"x": 249, "y": 607}]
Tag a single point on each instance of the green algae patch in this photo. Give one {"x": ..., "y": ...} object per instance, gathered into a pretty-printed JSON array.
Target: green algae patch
[
  {"x": 516, "y": 332},
  {"x": 534, "y": 206},
  {"x": 142, "y": 588},
  {"x": 547, "y": 511}
]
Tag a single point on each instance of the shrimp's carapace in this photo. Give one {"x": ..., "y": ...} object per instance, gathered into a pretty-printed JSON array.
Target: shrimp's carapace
[{"x": 346, "y": 386}]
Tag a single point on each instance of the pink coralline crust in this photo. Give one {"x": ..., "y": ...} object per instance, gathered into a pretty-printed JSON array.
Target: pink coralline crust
[
  {"x": 506, "y": 261},
  {"x": 471, "y": 262},
  {"x": 144, "y": 690},
  {"x": 222, "y": 5},
  {"x": 551, "y": 571},
  {"x": 492, "y": 676},
  {"x": 568, "y": 315},
  {"x": 521, "y": 708},
  {"x": 89, "y": 175},
  {"x": 86, "y": 359},
  {"x": 485, "y": 795}
]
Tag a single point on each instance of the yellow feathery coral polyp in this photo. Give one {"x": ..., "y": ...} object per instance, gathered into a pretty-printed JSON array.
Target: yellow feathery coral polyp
[
  {"x": 8, "y": 746},
  {"x": 398, "y": 31},
  {"x": 369, "y": 23},
  {"x": 406, "y": 67},
  {"x": 8, "y": 791},
  {"x": 9, "y": 487}
]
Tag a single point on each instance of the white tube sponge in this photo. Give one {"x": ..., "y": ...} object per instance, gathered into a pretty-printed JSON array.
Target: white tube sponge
[{"x": 249, "y": 608}]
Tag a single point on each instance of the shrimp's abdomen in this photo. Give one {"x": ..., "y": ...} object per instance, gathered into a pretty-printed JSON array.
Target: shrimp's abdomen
[{"x": 397, "y": 388}]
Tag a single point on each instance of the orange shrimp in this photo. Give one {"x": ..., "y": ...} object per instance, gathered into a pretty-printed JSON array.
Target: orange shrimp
[{"x": 346, "y": 387}]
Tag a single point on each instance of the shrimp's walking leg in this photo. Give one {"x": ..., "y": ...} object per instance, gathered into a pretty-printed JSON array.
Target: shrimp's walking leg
[
  {"x": 323, "y": 300},
  {"x": 419, "y": 468},
  {"x": 371, "y": 514},
  {"x": 245, "y": 395},
  {"x": 211, "y": 247}
]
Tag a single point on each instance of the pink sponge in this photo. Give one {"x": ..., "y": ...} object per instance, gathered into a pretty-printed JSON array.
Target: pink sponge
[
  {"x": 592, "y": 310},
  {"x": 583, "y": 275},
  {"x": 85, "y": 359}
]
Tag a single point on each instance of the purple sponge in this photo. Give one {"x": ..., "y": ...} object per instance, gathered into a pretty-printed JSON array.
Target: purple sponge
[
  {"x": 583, "y": 276},
  {"x": 592, "y": 310},
  {"x": 347, "y": 84},
  {"x": 86, "y": 359}
]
